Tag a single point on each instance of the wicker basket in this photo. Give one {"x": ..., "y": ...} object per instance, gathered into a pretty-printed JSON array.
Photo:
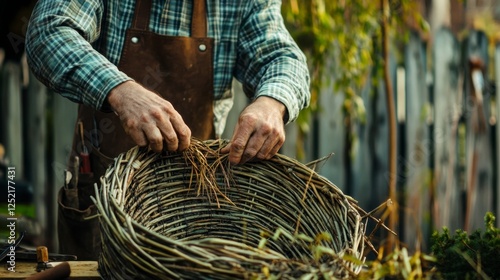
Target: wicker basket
[{"x": 192, "y": 215}]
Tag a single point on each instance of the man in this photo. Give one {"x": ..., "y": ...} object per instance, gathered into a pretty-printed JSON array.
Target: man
[{"x": 158, "y": 72}]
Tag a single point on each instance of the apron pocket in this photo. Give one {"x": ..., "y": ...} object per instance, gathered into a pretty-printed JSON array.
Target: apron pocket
[{"x": 78, "y": 235}]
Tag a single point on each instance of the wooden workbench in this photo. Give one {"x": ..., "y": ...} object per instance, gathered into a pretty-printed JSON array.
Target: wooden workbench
[{"x": 84, "y": 270}]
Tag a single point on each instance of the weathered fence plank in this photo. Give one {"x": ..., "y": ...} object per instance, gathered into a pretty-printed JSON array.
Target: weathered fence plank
[
  {"x": 35, "y": 145},
  {"x": 330, "y": 125},
  {"x": 446, "y": 67},
  {"x": 378, "y": 141},
  {"x": 417, "y": 150},
  {"x": 369, "y": 173},
  {"x": 63, "y": 118},
  {"x": 479, "y": 164},
  {"x": 11, "y": 115},
  {"x": 497, "y": 96},
  {"x": 361, "y": 188},
  {"x": 289, "y": 148},
  {"x": 362, "y": 157}
]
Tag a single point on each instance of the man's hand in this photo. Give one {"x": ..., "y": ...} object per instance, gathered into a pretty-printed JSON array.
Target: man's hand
[
  {"x": 148, "y": 118},
  {"x": 260, "y": 131}
]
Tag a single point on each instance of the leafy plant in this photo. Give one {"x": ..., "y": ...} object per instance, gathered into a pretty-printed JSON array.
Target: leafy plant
[
  {"x": 341, "y": 41},
  {"x": 463, "y": 256},
  {"x": 337, "y": 37},
  {"x": 399, "y": 264}
]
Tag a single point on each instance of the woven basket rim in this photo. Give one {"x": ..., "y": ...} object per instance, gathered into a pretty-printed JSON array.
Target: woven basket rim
[{"x": 125, "y": 233}]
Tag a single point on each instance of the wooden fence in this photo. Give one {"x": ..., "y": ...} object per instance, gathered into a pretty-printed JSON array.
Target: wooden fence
[{"x": 448, "y": 139}]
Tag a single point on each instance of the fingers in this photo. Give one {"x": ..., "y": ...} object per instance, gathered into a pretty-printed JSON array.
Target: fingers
[
  {"x": 154, "y": 138},
  {"x": 254, "y": 139},
  {"x": 238, "y": 145},
  {"x": 137, "y": 135},
  {"x": 183, "y": 133},
  {"x": 149, "y": 119},
  {"x": 257, "y": 146},
  {"x": 259, "y": 133},
  {"x": 270, "y": 147},
  {"x": 155, "y": 129},
  {"x": 158, "y": 128},
  {"x": 168, "y": 128},
  {"x": 177, "y": 138},
  {"x": 262, "y": 147}
]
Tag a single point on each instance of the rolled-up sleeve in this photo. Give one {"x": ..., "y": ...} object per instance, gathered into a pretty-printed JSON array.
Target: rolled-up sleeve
[
  {"x": 269, "y": 62},
  {"x": 60, "y": 54}
]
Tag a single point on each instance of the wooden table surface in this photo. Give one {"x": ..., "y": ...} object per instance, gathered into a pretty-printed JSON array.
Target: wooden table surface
[{"x": 84, "y": 270}]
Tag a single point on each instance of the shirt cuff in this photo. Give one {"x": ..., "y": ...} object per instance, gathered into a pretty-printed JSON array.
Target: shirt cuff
[
  {"x": 284, "y": 94},
  {"x": 110, "y": 81}
]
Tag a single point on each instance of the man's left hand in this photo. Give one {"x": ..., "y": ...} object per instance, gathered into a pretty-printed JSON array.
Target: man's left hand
[{"x": 259, "y": 133}]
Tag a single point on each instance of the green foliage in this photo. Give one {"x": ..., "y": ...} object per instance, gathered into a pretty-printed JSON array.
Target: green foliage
[
  {"x": 399, "y": 264},
  {"x": 342, "y": 30},
  {"x": 463, "y": 256},
  {"x": 342, "y": 42}
]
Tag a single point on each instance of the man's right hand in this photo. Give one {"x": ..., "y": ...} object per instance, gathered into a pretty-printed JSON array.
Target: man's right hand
[{"x": 148, "y": 118}]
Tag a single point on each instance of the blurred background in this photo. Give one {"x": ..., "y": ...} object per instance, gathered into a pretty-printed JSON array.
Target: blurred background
[{"x": 403, "y": 108}]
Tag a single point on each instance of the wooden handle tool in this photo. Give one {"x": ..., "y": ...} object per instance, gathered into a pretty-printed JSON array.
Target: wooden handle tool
[{"x": 58, "y": 272}]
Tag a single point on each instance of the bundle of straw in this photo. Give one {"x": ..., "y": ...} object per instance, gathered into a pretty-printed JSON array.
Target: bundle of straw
[{"x": 192, "y": 215}]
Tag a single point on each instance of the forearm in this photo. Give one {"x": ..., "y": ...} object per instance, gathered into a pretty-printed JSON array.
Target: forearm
[
  {"x": 290, "y": 87},
  {"x": 269, "y": 61},
  {"x": 60, "y": 54}
]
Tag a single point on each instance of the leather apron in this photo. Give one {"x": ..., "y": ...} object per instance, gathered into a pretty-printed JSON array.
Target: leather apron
[{"x": 180, "y": 69}]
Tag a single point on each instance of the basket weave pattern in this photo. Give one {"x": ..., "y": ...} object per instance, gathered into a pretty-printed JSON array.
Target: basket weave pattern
[{"x": 192, "y": 215}]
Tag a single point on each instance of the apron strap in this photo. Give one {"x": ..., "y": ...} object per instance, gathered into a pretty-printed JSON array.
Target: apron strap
[
  {"x": 141, "y": 14},
  {"x": 198, "y": 18}
]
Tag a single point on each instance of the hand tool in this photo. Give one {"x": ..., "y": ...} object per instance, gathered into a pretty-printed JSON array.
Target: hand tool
[
  {"x": 42, "y": 258},
  {"x": 58, "y": 272},
  {"x": 84, "y": 154}
]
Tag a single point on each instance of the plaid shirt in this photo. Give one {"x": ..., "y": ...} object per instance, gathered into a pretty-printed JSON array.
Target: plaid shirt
[{"x": 73, "y": 47}]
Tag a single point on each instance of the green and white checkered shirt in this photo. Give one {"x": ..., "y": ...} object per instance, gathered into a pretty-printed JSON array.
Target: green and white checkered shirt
[{"x": 73, "y": 47}]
